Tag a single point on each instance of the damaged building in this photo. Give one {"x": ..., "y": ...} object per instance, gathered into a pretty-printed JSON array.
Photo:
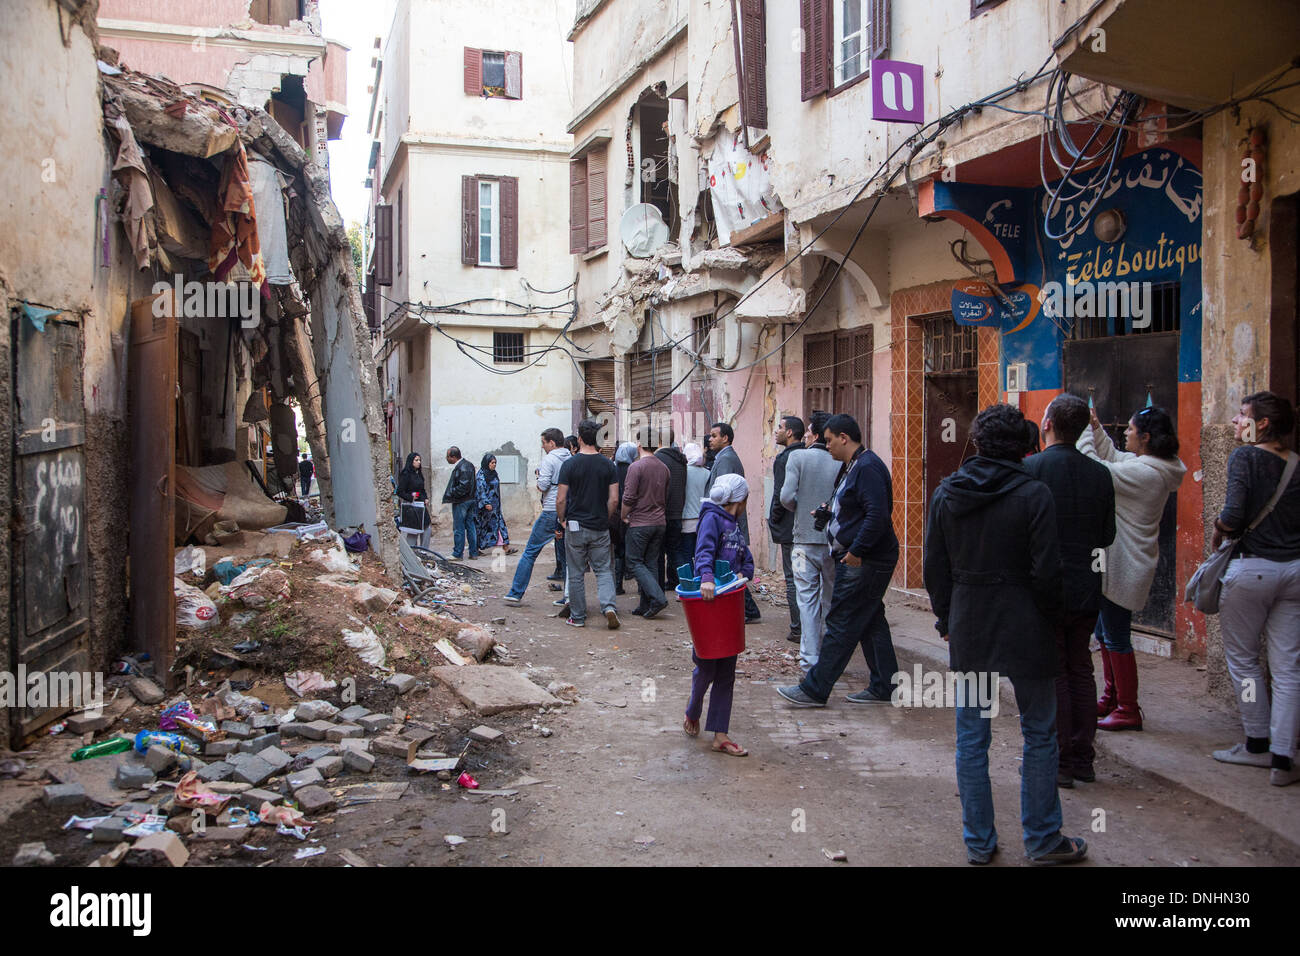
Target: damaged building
[{"x": 177, "y": 282}]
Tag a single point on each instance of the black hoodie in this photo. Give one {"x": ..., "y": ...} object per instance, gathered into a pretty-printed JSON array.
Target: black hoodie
[
  {"x": 676, "y": 500},
  {"x": 993, "y": 569}
]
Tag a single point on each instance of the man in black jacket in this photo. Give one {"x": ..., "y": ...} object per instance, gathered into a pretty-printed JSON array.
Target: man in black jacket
[
  {"x": 671, "y": 557},
  {"x": 992, "y": 566},
  {"x": 780, "y": 522},
  {"x": 1085, "y": 522},
  {"x": 460, "y": 495}
]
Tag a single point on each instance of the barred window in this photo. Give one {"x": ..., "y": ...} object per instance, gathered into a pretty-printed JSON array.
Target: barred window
[{"x": 508, "y": 347}]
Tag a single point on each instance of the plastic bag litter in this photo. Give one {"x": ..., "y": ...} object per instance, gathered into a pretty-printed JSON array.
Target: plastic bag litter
[
  {"x": 332, "y": 560},
  {"x": 192, "y": 792},
  {"x": 257, "y": 587},
  {"x": 287, "y": 817},
  {"x": 303, "y": 683},
  {"x": 227, "y": 570},
  {"x": 194, "y": 609},
  {"x": 191, "y": 560},
  {"x": 366, "y": 643}
]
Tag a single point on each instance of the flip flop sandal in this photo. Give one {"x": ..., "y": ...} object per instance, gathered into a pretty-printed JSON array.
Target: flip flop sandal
[
  {"x": 688, "y": 724},
  {"x": 731, "y": 749}
]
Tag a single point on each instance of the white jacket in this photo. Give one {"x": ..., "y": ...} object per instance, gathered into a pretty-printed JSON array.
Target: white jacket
[
  {"x": 1143, "y": 484},
  {"x": 548, "y": 476}
]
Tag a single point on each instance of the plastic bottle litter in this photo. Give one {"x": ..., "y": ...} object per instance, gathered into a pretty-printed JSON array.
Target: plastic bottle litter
[
  {"x": 114, "y": 745},
  {"x": 59, "y": 728},
  {"x": 163, "y": 738}
]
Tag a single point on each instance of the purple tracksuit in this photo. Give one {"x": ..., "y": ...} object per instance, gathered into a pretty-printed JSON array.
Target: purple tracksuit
[{"x": 718, "y": 537}]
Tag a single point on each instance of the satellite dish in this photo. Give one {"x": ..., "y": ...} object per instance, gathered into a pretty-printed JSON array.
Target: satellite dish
[{"x": 642, "y": 230}]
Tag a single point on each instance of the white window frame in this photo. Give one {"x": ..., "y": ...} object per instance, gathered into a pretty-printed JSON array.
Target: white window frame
[
  {"x": 839, "y": 77},
  {"x": 494, "y": 235}
]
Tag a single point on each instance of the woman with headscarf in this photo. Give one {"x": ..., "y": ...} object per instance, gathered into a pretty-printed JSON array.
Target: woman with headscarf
[
  {"x": 697, "y": 478},
  {"x": 492, "y": 531},
  {"x": 623, "y": 458},
  {"x": 1144, "y": 477},
  {"x": 410, "y": 489}
]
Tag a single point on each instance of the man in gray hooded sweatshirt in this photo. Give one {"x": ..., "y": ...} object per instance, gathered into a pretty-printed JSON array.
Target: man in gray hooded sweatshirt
[{"x": 545, "y": 526}]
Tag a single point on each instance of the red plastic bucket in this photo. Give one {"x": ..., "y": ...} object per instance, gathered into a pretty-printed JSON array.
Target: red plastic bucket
[{"x": 717, "y": 627}]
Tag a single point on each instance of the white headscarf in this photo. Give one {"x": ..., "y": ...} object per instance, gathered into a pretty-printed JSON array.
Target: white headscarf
[
  {"x": 728, "y": 489},
  {"x": 694, "y": 454}
]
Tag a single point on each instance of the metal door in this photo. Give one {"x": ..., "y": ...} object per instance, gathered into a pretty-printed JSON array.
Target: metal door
[
  {"x": 51, "y": 626},
  {"x": 152, "y": 383},
  {"x": 951, "y": 396},
  {"x": 1118, "y": 373}
]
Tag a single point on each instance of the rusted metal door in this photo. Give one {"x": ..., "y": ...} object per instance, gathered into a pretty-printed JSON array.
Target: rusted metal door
[
  {"x": 152, "y": 385},
  {"x": 50, "y": 582},
  {"x": 1118, "y": 373}
]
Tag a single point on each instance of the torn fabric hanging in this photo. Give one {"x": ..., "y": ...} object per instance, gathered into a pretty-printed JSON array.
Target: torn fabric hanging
[{"x": 234, "y": 234}]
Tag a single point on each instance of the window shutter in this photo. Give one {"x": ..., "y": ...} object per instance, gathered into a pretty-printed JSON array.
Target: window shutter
[
  {"x": 578, "y": 205},
  {"x": 597, "y": 229},
  {"x": 469, "y": 220},
  {"x": 515, "y": 76},
  {"x": 401, "y": 228},
  {"x": 879, "y": 29},
  {"x": 815, "y": 22},
  {"x": 473, "y": 72},
  {"x": 384, "y": 245},
  {"x": 509, "y": 220},
  {"x": 753, "y": 66}
]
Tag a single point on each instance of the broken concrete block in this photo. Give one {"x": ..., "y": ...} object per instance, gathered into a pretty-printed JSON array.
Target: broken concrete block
[
  {"x": 255, "y": 744},
  {"x": 309, "y": 710},
  {"x": 418, "y": 734},
  {"x": 220, "y": 748},
  {"x": 159, "y": 759},
  {"x": 277, "y": 758},
  {"x": 236, "y": 729},
  {"x": 33, "y": 854},
  {"x": 82, "y": 724},
  {"x": 145, "y": 691},
  {"x": 214, "y": 772},
  {"x": 484, "y": 733},
  {"x": 402, "y": 683},
  {"x": 477, "y": 641},
  {"x": 314, "y": 799},
  {"x": 311, "y": 777},
  {"x": 292, "y": 728},
  {"x": 264, "y": 721},
  {"x": 60, "y": 795},
  {"x": 329, "y": 767},
  {"x": 358, "y": 760},
  {"x": 401, "y": 747},
  {"x": 493, "y": 690},
  {"x": 255, "y": 797},
  {"x": 109, "y": 829},
  {"x": 353, "y": 713},
  {"x": 228, "y": 786},
  {"x": 252, "y": 769},
  {"x": 340, "y": 731},
  {"x": 374, "y": 723},
  {"x": 316, "y": 730},
  {"x": 133, "y": 776},
  {"x": 371, "y": 599},
  {"x": 158, "y": 849},
  {"x": 354, "y": 743},
  {"x": 315, "y": 752}
]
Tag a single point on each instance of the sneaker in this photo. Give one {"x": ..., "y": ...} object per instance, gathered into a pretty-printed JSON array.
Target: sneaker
[
  {"x": 559, "y": 603},
  {"x": 639, "y": 610},
  {"x": 512, "y": 601},
  {"x": 1069, "y": 850},
  {"x": 753, "y": 620},
  {"x": 980, "y": 859},
  {"x": 611, "y": 616},
  {"x": 794, "y": 637},
  {"x": 654, "y": 609},
  {"x": 865, "y": 697},
  {"x": 1064, "y": 780},
  {"x": 1283, "y": 778},
  {"x": 572, "y": 623},
  {"x": 1238, "y": 753},
  {"x": 795, "y": 695},
  {"x": 555, "y": 577},
  {"x": 1085, "y": 776}
]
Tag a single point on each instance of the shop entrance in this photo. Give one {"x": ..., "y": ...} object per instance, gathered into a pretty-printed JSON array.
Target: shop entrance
[{"x": 951, "y": 396}]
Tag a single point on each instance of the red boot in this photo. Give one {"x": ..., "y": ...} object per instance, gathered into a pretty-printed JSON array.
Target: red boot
[
  {"x": 1107, "y": 702},
  {"x": 1126, "y": 716}
]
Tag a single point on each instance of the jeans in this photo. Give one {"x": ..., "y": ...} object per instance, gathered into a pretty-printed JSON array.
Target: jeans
[
  {"x": 687, "y": 554},
  {"x": 543, "y": 531},
  {"x": 791, "y": 597},
  {"x": 1076, "y": 692},
  {"x": 1115, "y": 627},
  {"x": 1260, "y": 606},
  {"x": 644, "y": 544},
  {"x": 582, "y": 546},
  {"x": 670, "y": 559},
  {"x": 306, "y": 486},
  {"x": 1040, "y": 804},
  {"x": 721, "y": 674},
  {"x": 814, "y": 575},
  {"x": 856, "y": 616},
  {"x": 463, "y": 526},
  {"x": 559, "y": 553}
]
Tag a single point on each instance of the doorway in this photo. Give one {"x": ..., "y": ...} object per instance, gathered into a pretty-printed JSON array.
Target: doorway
[{"x": 951, "y": 396}]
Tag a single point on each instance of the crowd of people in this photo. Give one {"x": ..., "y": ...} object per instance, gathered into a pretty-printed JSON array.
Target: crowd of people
[{"x": 1046, "y": 537}]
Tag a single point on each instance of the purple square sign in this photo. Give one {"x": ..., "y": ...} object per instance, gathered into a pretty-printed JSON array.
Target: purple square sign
[{"x": 897, "y": 91}]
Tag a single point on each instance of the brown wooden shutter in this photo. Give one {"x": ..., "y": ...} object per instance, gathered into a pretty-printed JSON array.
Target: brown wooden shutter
[
  {"x": 401, "y": 228},
  {"x": 384, "y": 245},
  {"x": 515, "y": 76},
  {"x": 752, "y": 45},
  {"x": 879, "y": 45},
  {"x": 578, "y": 205},
  {"x": 597, "y": 227},
  {"x": 469, "y": 220},
  {"x": 473, "y": 72},
  {"x": 815, "y": 22},
  {"x": 509, "y": 222}
]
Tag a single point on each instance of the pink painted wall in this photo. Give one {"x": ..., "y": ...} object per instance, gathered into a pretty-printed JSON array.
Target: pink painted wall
[
  {"x": 178, "y": 62},
  {"x": 209, "y": 13}
]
